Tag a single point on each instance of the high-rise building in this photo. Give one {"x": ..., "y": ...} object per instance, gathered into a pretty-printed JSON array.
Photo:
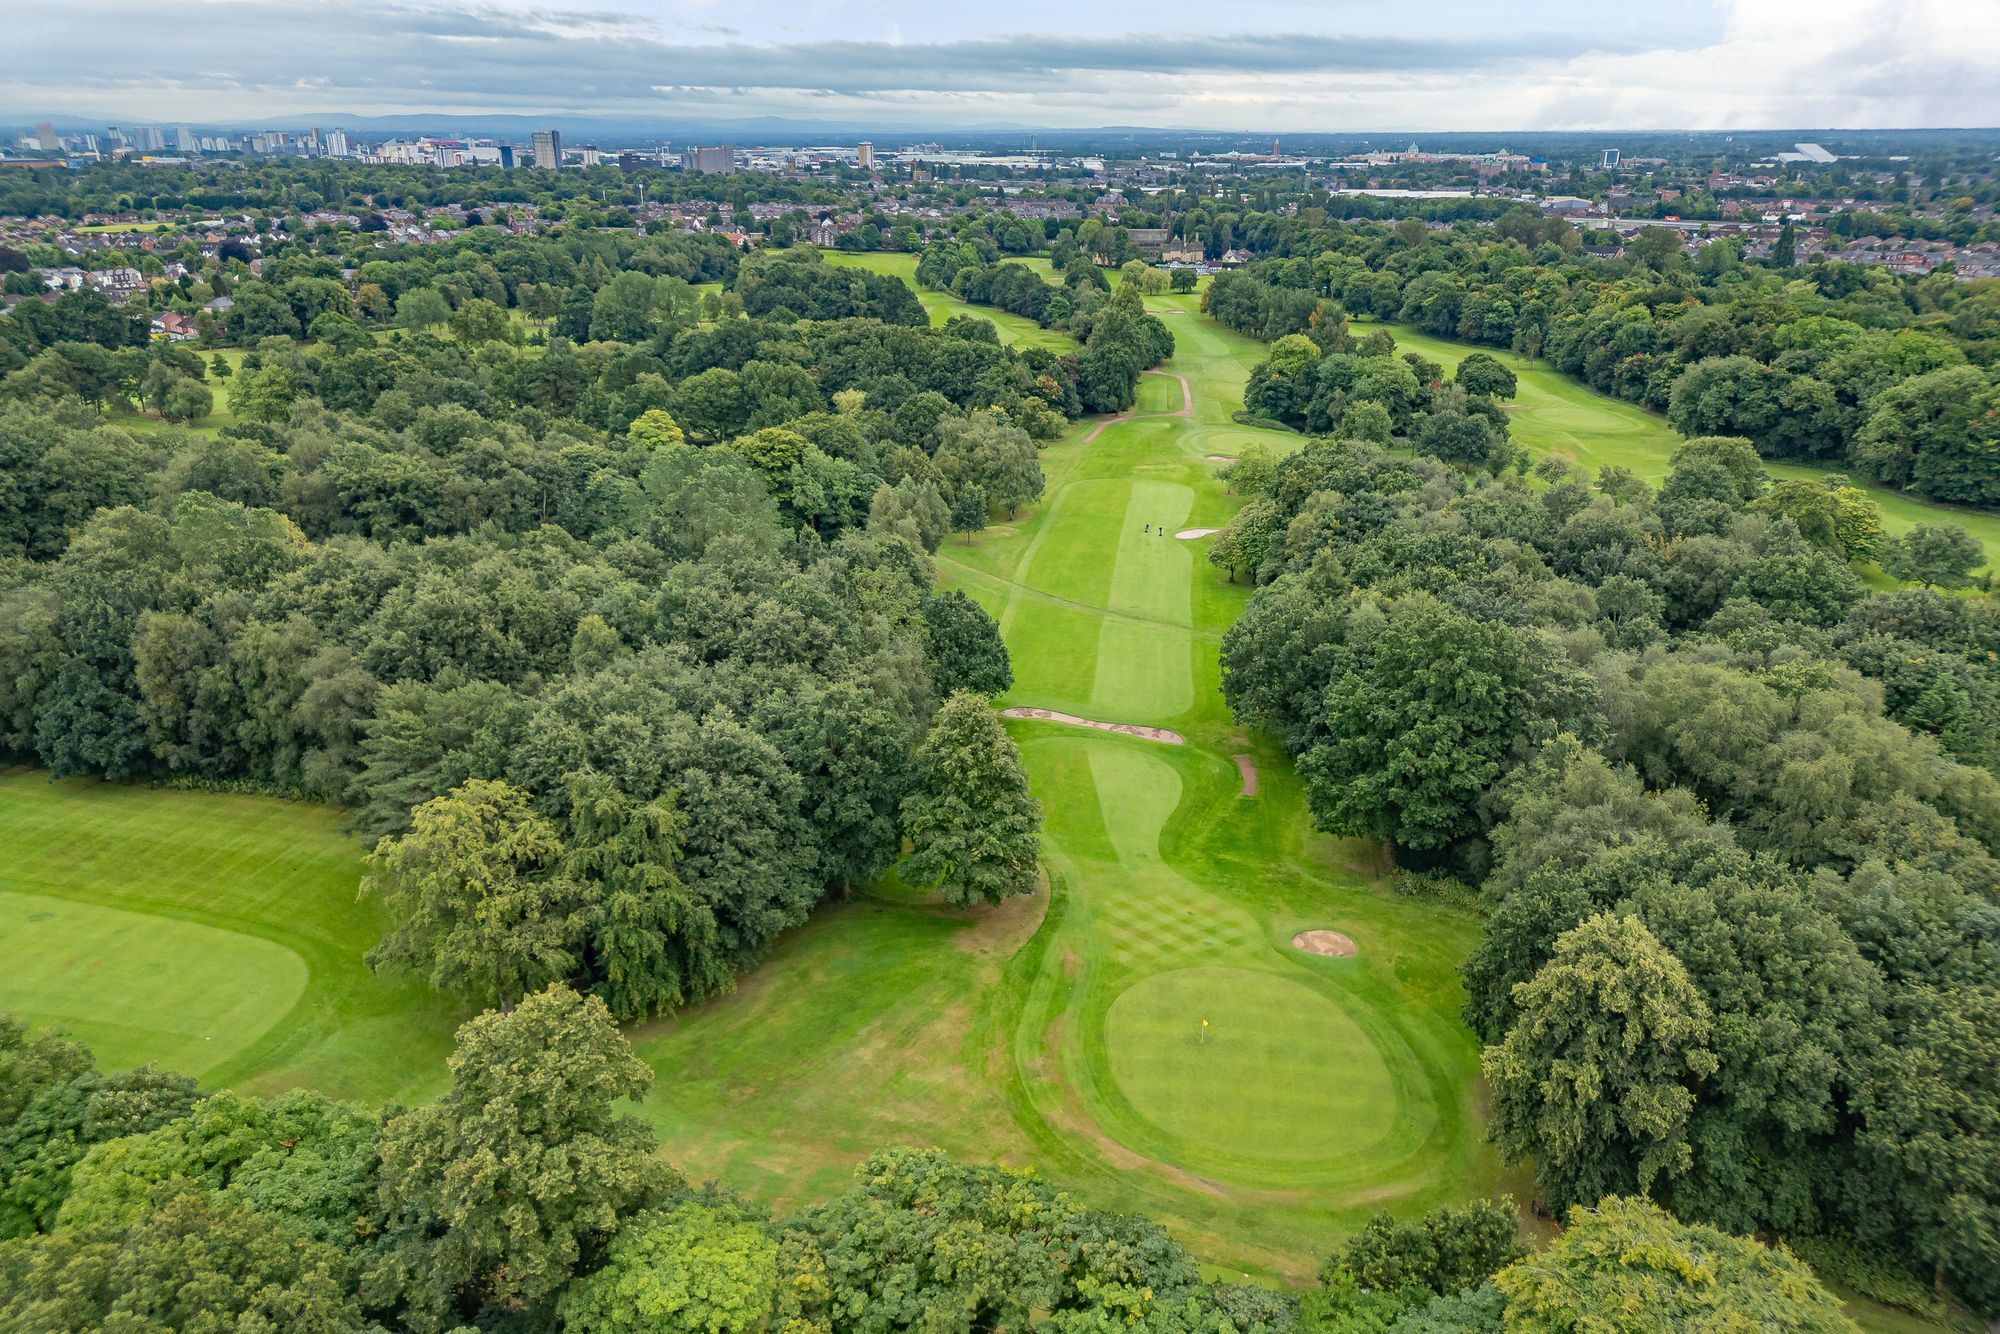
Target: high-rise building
[
  {"x": 45, "y": 135},
  {"x": 548, "y": 150},
  {"x": 709, "y": 159},
  {"x": 184, "y": 140},
  {"x": 864, "y": 153},
  {"x": 150, "y": 138},
  {"x": 1607, "y": 159},
  {"x": 336, "y": 143}
]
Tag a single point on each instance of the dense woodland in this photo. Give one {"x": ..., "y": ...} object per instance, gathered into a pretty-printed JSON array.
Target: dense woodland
[
  {"x": 1733, "y": 820},
  {"x": 642, "y": 629}
]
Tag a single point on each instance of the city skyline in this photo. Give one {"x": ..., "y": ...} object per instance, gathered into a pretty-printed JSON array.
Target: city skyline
[{"x": 1550, "y": 65}]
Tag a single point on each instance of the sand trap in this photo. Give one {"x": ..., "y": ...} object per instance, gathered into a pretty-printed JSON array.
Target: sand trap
[
  {"x": 1221, "y": 458},
  {"x": 1123, "y": 729},
  {"x": 1246, "y": 767},
  {"x": 1189, "y": 534},
  {"x": 1330, "y": 943}
]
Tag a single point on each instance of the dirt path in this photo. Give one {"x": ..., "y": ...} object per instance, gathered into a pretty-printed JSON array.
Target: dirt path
[
  {"x": 1186, "y": 408},
  {"x": 1248, "y": 768},
  {"x": 1160, "y": 734}
]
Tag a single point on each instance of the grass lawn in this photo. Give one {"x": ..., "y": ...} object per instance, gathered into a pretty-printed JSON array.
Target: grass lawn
[
  {"x": 943, "y": 305},
  {"x": 222, "y": 415},
  {"x": 218, "y": 935},
  {"x": 1553, "y": 414},
  {"x": 128, "y": 227}
]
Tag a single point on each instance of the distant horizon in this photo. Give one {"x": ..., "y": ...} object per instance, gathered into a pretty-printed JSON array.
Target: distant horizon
[
  {"x": 666, "y": 126},
  {"x": 1561, "y": 66}
]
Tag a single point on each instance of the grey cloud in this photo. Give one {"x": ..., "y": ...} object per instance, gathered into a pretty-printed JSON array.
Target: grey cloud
[{"x": 483, "y": 56}]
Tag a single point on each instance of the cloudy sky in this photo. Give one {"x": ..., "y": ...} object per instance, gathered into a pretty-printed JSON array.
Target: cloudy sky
[{"x": 1299, "y": 65}]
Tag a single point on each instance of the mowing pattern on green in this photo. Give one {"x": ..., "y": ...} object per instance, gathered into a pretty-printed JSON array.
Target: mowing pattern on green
[
  {"x": 125, "y": 983},
  {"x": 218, "y": 935}
]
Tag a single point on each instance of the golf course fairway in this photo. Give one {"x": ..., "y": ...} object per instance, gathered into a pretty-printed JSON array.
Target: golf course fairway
[{"x": 1148, "y": 1036}]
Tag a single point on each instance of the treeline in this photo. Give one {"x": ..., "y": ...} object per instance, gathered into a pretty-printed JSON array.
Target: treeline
[
  {"x": 1832, "y": 363},
  {"x": 1327, "y": 382},
  {"x": 1735, "y": 816},
  {"x": 1120, "y": 339},
  {"x": 525, "y": 1200}
]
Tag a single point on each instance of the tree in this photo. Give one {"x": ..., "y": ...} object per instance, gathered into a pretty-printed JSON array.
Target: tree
[
  {"x": 421, "y": 308},
  {"x": 963, "y": 647},
  {"x": 651, "y": 943},
  {"x": 1627, "y": 1264},
  {"x": 1785, "y": 250},
  {"x": 1936, "y": 555},
  {"x": 187, "y": 400},
  {"x": 655, "y": 428},
  {"x": 968, "y": 510},
  {"x": 1444, "y": 1251},
  {"x": 1483, "y": 374},
  {"x": 267, "y": 393},
  {"x": 1416, "y": 724},
  {"x": 920, "y": 1242},
  {"x": 191, "y": 1261},
  {"x": 1184, "y": 280},
  {"x": 972, "y": 826},
  {"x": 1457, "y": 437},
  {"x": 56, "y": 1105},
  {"x": 482, "y": 911},
  {"x": 1365, "y": 419},
  {"x": 1725, "y": 396},
  {"x": 987, "y": 450},
  {"x": 1827, "y": 513},
  {"x": 493, "y": 1196},
  {"x": 696, "y": 1269},
  {"x": 1931, "y": 1103},
  {"x": 478, "y": 320},
  {"x": 1596, "y": 1079}
]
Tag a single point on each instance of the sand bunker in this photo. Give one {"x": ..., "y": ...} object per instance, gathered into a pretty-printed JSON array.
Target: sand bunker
[
  {"x": 1248, "y": 769},
  {"x": 1189, "y": 534},
  {"x": 1221, "y": 458},
  {"x": 1123, "y": 729},
  {"x": 1330, "y": 943}
]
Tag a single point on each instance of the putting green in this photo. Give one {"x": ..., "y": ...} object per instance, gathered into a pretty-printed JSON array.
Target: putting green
[
  {"x": 214, "y": 934},
  {"x": 140, "y": 988},
  {"x": 1249, "y": 1064}
]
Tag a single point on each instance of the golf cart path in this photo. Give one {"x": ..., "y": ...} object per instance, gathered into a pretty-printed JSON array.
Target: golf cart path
[{"x": 1159, "y": 734}]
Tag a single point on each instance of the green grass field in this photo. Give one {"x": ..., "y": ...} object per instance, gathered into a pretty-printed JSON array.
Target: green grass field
[
  {"x": 1553, "y": 414},
  {"x": 218, "y": 935},
  {"x": 219, "y": 388},
  {"x": 943, "y": 305}
]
